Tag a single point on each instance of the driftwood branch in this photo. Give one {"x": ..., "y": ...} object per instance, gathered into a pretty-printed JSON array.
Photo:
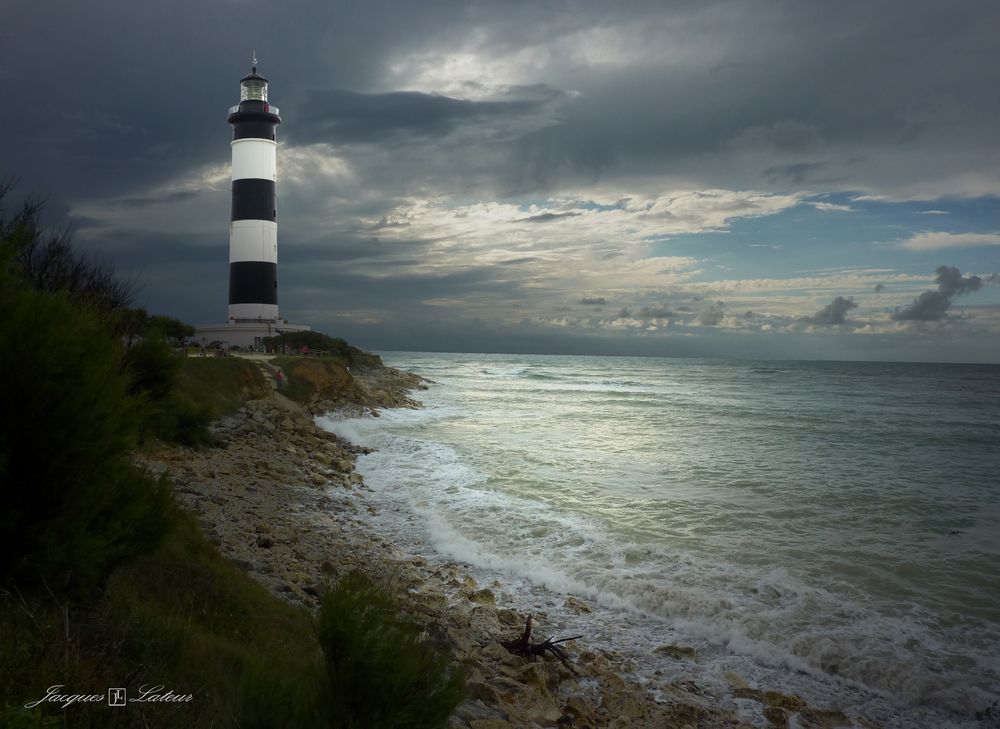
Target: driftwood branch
[{"x": 522, "y": 646}]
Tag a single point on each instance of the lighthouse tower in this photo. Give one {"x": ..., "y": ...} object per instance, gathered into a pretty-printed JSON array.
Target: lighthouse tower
[
  {"x": 253, "y": 230},
  {"x": 253, "y": 226}
]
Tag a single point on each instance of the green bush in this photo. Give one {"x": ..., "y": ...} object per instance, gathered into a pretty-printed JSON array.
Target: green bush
[
  {"x": 332, "y": 346},
  {"x": 152, "y": 367},
  {"x": 381, "y": 671},
  {"x": 178, "y": 420},
  {"x": 73, "y": 504}
]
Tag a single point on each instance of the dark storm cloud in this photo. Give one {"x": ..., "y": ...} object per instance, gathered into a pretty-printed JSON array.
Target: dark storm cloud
[
  {"x": 548, "y": 217},
  {"x": 933, "y": 305},
  {"x": 594, "y": 300},
  {"x": 518, "y": 261},
  {"x": 142, "y": 202},
  {"x": 120, "y": 107},
  {"x": 834, "y": 313},
  {"x": 794, "y": 173},
  {"x": 340, "y": 116},
  {"x": 344, "y": 248}
]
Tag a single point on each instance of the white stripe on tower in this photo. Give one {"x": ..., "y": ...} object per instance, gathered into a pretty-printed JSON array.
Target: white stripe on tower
[
  {"x": 253, "y": 240},
  {"x": 256, "y": 158}
]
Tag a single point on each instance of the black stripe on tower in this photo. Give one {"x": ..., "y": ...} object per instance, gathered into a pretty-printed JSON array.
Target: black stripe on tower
[
  {"x": 254, "y": 130},
  {"x": 254, "y": 119},
  {"x": 254, "y": 199},
  {"x": 253, "y": 282}
]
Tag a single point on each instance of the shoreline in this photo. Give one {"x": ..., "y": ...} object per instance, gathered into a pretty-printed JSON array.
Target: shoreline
[{"x": 281, "y": 498}]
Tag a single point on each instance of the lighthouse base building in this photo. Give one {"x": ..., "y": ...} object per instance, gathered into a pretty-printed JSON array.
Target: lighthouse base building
[
  {"x": 253, "y": 226},
  {"x": 244, "y": 334}
]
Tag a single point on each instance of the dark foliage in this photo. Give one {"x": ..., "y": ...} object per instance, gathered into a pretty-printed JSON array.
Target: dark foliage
[
  {"x": 319, "y": 342},
  {"x": 73, "y": 503},
  {"x": 382, "y": 672},
  {"x": 51, "y": 262}
]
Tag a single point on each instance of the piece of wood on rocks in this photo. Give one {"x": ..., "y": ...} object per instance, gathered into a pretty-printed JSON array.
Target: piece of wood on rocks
[{"x": 522, "y": 646}]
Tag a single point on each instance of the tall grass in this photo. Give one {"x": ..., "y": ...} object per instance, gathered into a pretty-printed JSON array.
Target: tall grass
[{"x": 381, "y": 671}]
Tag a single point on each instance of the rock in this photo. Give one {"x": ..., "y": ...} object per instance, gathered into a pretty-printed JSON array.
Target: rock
[
  {"x": 483, "y": 597},
  {"x": 789, "y": 702},
  {"x": 810, "y": 718},
  {"x": 471, "y": 710},
  {"x": 356, "y": 478},
  {"x": 490, "y": 724},
  {"x": 736, "y": 680},
  {"x": 624, "y": 705},
  {"x": 578, "y": 713},
  {"x": 538, "y": 707},
  {"x": 266, "y": 541},
  {"x": 500, "y": 654},
  {"x": 533, "y": 675},
  {"x": 482, "y": 691},
  {"x": 677, "y": 652},
  {"x": 319, "y": 479},
  {"x": 771, "y": 698},
  {"x": 247, "y": 565},
  {"x": 776, "y": 717},
  {"x": 483, "y": 624},
  {"x": 576, "y": 605}
]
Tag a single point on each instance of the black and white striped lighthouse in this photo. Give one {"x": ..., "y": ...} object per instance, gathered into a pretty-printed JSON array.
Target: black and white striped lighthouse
[
  {"x": 253, "y": 228},
  {"x": 253, "y": 223}
]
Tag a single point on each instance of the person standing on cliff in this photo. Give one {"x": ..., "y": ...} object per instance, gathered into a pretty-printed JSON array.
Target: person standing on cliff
[{"x": 279, "y": 378}]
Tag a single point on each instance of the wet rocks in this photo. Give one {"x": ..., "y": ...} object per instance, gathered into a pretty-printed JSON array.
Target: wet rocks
[{"x": 677, "y": 652}]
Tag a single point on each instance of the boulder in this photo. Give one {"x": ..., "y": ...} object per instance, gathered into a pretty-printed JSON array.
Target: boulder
[{"x": 483, "y": 597}]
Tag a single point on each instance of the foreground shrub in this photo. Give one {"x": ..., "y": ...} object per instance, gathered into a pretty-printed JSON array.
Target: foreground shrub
[
  {"x": 382, "y": 672},
  {"x": 72, "y": 505}
]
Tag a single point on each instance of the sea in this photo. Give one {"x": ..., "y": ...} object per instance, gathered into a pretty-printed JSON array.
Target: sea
[{"x": 826, "y": 529}]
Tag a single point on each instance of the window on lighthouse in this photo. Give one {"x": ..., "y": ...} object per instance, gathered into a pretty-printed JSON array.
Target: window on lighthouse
[{"x": 253, "y": 90}]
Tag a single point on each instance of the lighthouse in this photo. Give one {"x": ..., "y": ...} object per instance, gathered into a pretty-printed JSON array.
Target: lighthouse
[
  {"x": 253, "y": 227},
  {"x": 253, "y": 224}
]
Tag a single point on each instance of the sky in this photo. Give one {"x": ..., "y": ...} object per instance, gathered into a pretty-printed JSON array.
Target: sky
[{"x": 785, "y": 179}]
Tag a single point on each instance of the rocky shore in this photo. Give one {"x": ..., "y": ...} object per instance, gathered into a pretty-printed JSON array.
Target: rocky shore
[{"x": 281, "y": 498}]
